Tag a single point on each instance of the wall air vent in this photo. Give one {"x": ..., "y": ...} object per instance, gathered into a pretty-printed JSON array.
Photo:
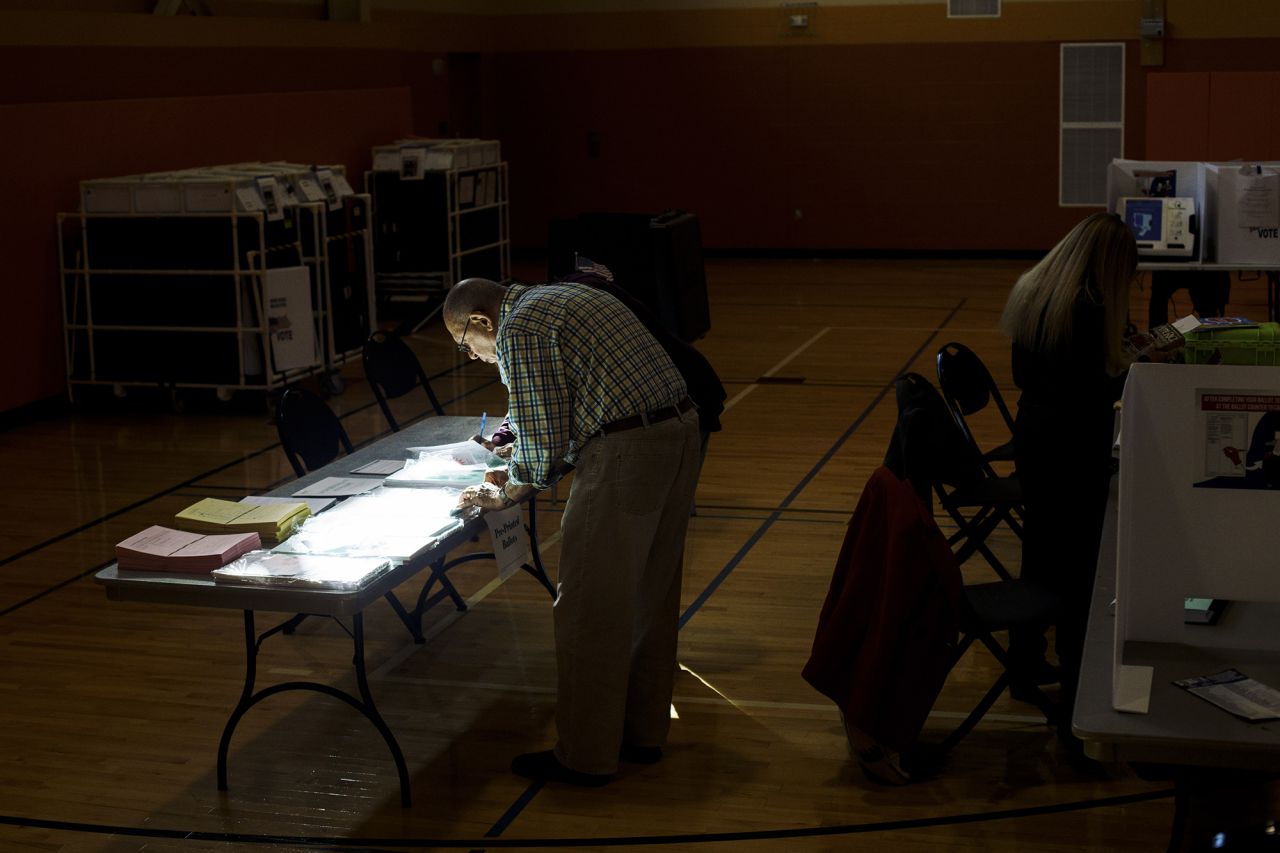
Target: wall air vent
[
  {"x": 973, "y": 8},
  {"x": 1091, "y": 120}
]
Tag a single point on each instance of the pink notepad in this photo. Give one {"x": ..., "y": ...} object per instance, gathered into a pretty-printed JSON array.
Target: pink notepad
[{"x": 162, "y": 549}]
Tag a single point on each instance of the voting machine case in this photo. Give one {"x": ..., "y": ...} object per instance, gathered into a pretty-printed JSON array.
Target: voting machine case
[
  {"x": 164, "y": 279},
  {"x": 440, "y": 215},
  {"x": 657, "y": 259}
]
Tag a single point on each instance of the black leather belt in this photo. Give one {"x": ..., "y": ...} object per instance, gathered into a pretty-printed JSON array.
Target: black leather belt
[{"x": 656, "y": 416}]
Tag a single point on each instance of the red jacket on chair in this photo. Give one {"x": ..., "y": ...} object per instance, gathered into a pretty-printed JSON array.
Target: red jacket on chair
[{"x": 890, "y": 623}]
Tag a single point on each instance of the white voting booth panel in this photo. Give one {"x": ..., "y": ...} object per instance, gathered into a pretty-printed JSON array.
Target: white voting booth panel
[
  {"x": 1186, "y": 526},
  {"x": 1245, "y": 198}
]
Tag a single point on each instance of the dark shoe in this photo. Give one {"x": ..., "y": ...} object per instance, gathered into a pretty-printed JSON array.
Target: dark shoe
[
  {"x": 545, "y": 767},
  {"x": 640, "y": 754}
]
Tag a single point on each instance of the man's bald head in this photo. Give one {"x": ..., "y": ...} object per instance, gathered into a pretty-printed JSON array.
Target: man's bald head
[
  {"x": 470, "y": 313},
  {"x": 471, "y": 295}
]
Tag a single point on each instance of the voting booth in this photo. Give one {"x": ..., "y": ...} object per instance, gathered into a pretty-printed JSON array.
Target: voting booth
[
  {"x": 1246, "y": 197},
  {"x": 1199, "y": 501},
  {"x": 1163, "y": 202},
  {"x": 1232, "y": 210}
]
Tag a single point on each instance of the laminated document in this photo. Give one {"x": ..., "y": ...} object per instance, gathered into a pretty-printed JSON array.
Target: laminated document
[
  {"x": 337, "y": 487},
  {"x": 412, "y": 164},
  {"x": 457, "y": 465},
  {"x": 314, "y": 572},
  {"x": 380, "y": 467},
  {"x": 273, "y": 198},
  {"x": 1248, "y": 214},
  {"x": 1257, "y": 198},
  {"x": 314, "y": 504},
  {"x": 1236, "y": 693},
  {"x": 395, "y": 523},
  {"x": 328, "y": 185}
]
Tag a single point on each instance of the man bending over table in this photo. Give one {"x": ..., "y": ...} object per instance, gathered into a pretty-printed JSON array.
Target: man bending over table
[{"x": 591, "y": 389}]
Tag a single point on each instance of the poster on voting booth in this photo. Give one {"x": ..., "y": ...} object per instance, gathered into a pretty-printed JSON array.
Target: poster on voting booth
[
  {"x": 290, "y": 324},
  {"x": 1239, "y": 434}
]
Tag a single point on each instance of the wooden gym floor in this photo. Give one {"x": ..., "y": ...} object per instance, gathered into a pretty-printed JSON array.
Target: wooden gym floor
[{"x": 110, "y": 712}]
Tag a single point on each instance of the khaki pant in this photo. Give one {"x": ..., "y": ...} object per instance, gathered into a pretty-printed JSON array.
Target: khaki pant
[{"x": 616, "y": 617}]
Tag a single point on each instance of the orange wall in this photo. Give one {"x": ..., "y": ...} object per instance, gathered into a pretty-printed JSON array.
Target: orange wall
[
  {"x": 888, "y": 127},
  {"x": 49, "y": 147}
]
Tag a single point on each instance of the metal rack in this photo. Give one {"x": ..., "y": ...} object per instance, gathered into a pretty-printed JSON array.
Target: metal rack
[
  {"x": 178, "y": 298},
  {"x": 441, "y": 214}
]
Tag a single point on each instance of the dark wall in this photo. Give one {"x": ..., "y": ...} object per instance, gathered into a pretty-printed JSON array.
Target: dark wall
[{"x": 938, "y": 146}]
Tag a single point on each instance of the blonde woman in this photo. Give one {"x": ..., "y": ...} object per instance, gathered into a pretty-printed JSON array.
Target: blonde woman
[{"x": 1067, "y": 316}]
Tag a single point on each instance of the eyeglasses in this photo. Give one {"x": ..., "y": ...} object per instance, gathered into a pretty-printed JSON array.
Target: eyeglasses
[{"x": 462, "y": 346}]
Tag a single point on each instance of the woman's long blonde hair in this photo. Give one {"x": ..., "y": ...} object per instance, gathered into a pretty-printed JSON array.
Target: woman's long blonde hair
[{"x": 1098, "y": 258}]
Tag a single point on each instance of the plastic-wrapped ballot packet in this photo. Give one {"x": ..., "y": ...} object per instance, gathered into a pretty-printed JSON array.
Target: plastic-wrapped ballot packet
[
  {"x": 265, "y": 568},
  {"x": 457, "y": 465},
  {"x": 397, "y": 524}
]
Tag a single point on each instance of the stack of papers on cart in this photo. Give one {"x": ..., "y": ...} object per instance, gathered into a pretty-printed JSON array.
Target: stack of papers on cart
[
  {"x": 457, "y": 465},
  {"x": 314, "y": 572},
  {"x": 273, "y": 522},
  {"x": 160, "y": 549}
]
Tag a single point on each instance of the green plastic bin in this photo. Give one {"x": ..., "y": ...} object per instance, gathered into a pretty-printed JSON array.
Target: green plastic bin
[{"x": 1259, "y": 345}]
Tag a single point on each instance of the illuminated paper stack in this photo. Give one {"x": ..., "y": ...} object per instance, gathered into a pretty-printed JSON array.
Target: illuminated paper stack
[
  {"x": 316, "y": 572},
  {"x": 398, "y": 524},
  {"x": 273, "y": 522},
  {"x": 160, "y": 549}
]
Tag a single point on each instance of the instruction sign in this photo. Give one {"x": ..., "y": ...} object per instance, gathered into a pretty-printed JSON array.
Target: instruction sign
[{"x": 1239, "y": 433}]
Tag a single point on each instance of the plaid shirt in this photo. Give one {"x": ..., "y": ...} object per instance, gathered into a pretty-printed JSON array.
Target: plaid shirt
[{"x": 573, "y": 358}]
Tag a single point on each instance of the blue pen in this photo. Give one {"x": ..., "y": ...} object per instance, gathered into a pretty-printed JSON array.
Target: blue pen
[{"x": 483, "y": 417}]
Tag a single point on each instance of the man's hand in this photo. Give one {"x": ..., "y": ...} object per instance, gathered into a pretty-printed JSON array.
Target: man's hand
[
  {"x": 497, "y": 476},
  {"x": 487, "y": 496},
  {"x": 502, "y": 450}
]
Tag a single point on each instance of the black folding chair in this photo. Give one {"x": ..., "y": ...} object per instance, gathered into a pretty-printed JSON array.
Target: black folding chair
[
  {"x": 309, "y": 431},
  {"x": 393, "y": 371},
  {"x": 968, "y": 387},
  {"x": 929, "y": 450}
]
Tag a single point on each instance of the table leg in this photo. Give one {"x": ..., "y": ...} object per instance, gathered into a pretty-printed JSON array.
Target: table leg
[
  {"x": 412, "y": 619},
  {"x": 371, "y": 711},
  {"x": 364, "y": 704},
  {"x": 246, "y": 698},
  {"x": 537, "y": 570}
]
